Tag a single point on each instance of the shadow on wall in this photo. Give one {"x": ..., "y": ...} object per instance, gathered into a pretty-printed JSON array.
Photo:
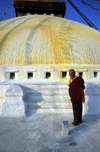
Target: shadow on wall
[
  {"x": 21, "y": 101},
  {"x": 32, "y": 99},
  {"x": 92, "y": 98}
]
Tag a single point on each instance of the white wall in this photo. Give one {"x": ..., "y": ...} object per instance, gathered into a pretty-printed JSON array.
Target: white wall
[
  {"x": 45, "y": 90},
  {"x": 39, "y": 72},
  {"x": 92, "y": 98}
]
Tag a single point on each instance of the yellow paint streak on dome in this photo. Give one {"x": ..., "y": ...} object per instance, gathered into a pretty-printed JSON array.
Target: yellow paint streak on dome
[{"x": 40, "y": 40}]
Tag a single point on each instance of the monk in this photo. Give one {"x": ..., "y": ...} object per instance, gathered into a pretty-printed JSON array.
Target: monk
[{"x": 76, "y": 92}]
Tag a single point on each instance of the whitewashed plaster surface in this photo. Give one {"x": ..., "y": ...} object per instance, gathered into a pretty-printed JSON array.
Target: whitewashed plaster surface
[
  {"x": 50, "y": 40},
  {"x": 13, "y": 104},
  {"x": 46, "y": 97},
  {"x": 92, "y": 98},
  {"x": 41, "y": 44},
  {"x": 39, "y": 72}
]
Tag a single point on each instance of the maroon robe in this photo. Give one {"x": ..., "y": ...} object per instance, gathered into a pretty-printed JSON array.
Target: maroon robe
[
  {"x": 75, "y": 89},
  {"x": 75, "y": 95}
]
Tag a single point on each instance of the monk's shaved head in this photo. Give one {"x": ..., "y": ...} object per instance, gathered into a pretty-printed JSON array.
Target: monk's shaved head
[{"x": 72, "y": 71}]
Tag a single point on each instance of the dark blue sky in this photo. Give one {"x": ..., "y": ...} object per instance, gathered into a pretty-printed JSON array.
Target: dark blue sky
[{"x": 71, "y": 14}]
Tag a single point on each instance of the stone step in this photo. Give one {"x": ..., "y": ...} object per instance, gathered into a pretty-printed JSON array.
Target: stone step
[
  {"x": 55, "y": 105},
  {"x": 48, "y": 92},
  {"x": 45, "y": 87},
  {"x": 46, "y": 98},
  {"x": 49, "y": 111}
]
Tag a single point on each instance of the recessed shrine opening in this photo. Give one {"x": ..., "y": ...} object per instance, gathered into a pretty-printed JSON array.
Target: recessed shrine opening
[
  {"x": 48, "y": 75},
  {"x": 30, "y": 75},
  {"x": 64, "y": 74},
  {"x": 81, "y": 74},
  {"x": 95, "y": 74},
  {"x": 12, "y": 75}
]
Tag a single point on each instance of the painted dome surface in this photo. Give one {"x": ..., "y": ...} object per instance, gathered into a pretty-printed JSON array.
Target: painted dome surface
[{"x": 42, "y": 39}]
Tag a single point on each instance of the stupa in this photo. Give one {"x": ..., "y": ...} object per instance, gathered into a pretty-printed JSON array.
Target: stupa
[{"x": 36, "y": 52}]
